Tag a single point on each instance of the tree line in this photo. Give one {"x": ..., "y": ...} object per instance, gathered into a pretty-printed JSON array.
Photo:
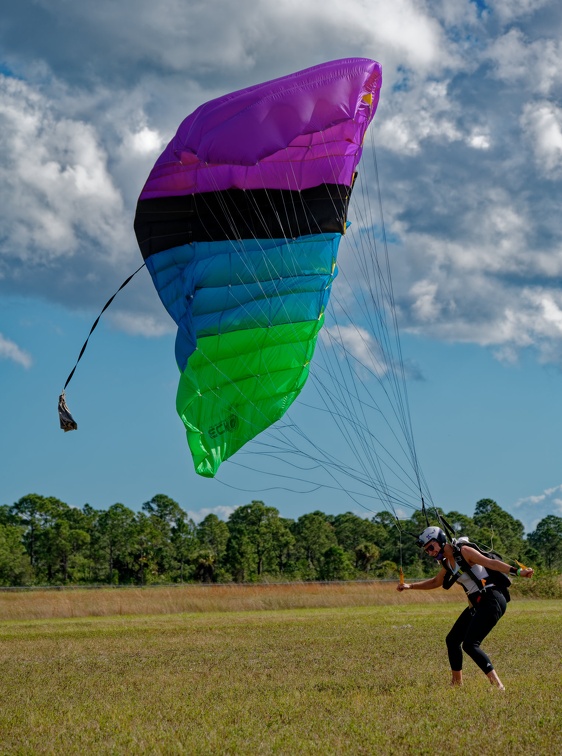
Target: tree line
[{"x": 45, "y": 541}]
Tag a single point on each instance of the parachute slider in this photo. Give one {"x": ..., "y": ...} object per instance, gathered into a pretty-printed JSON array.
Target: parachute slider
[{"x": 67, "y": 422}]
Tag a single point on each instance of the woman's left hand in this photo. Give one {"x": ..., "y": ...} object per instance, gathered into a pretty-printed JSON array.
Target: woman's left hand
[{"x": 527, "y": 572}]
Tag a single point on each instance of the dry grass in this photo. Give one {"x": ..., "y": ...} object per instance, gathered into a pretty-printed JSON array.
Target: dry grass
[{"x": 105, "y": 602}]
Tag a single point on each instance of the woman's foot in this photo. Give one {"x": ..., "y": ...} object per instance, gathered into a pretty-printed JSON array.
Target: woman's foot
[
  {"x": 456, "y": 678},
  {"x": 495, "y": 680}
]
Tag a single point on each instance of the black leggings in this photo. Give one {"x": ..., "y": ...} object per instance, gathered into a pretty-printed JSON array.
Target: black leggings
[{"x": 472, "y": 627}]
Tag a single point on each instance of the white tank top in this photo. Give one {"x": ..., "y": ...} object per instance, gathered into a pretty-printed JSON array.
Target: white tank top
[{"x": 466, "y": 581}]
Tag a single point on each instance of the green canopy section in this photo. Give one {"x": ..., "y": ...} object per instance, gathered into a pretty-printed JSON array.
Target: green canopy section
[{"x": 237, "y": 384}]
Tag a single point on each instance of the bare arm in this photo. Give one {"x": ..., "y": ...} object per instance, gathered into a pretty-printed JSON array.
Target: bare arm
[
  {"x": 425, "y": 585},
  {"x": 474, "y": 557}
]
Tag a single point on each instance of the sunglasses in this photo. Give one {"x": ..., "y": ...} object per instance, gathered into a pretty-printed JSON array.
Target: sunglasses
[{"x": 431, "y": 548}]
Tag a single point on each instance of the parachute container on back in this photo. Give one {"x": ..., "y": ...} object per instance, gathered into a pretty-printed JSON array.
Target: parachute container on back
[{"x": 239, "y": 224}]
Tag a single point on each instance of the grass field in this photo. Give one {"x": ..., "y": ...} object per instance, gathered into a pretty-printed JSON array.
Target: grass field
[{"x": 333, "y": 680}]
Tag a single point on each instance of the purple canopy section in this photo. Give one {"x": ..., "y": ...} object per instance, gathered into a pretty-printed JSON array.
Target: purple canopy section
[{"x": 293, "y": 133}]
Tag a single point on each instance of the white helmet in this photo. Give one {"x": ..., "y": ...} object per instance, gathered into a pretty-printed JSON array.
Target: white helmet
[{"x": 432, "y": 534}]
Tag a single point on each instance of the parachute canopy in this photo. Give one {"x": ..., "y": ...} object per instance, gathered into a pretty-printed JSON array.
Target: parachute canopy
[{"x": 239, "y": 223}]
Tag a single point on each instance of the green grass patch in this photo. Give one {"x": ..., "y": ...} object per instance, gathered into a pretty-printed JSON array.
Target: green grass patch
[{"x": 347, "y": 680}]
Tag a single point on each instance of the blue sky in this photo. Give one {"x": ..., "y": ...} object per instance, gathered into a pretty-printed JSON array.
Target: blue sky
[{"x": 469, "y": 145}]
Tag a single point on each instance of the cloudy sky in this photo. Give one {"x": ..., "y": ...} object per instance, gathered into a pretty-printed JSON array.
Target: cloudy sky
[{"x": 469, "y": 147}]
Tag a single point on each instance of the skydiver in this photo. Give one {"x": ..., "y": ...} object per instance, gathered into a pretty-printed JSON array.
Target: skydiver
[{"x": 487, "y": 604}]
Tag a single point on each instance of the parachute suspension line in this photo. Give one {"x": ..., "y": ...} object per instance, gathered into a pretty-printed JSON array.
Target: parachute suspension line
[
  {"x": 447, "y": 527},
  {"x": 67, "y": 422},
  {"x": 332, "y": 462},
  {"x": 383, "y": 339},
  {"x": 371, "y": 458},
  {"x": 420, "y": 477},
  {"x": 360, "y": 426},
  {"x": 343, "y": 430},
  {"x": 366, "y": 436},
  {"x": 348, "y": 399},
  {"x": 383, "y": 331},
  {"x": 394, "y": 364},
  {"x": 365, "y": 478},
  {"x": 380, "y": 294},
  {"x": 353, "y": 495},
  {"x": 402, "y": 396},
  {"x": 316, "y": 485},
  {"x": 401, "y": 569},
  {"x": 355, "y": 424},
  {"x": 377, "y": 377},
  {"x": 298, "y": 450}
]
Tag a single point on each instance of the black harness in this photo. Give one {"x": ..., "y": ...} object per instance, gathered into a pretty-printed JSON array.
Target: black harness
[{"x": 498, "y": 580}]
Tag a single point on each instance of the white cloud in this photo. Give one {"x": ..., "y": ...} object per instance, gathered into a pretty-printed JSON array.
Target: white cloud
[
  {"x": 479, "y": 141},
  {"x": 9, "y": 350},
  {"x": 552, "y": 312},
  {"x": 506, "y": 354},
  {"x": 532, "y": 509},
  {"x": 55, "y": 188},
  {"x": 222, "y": 512},
  {"x": 397, "y": 28},
  {"x": 492, "y": 240},
  {"x": 223, "y": 39},
  {"x": 142, "y": 324},
  {"x": 360, "y": 344},
  {"x": 535, "y": 320},
  {"x": 425, "y": 306},
  {"x": 519, "y": 60},
  {"x": 510, "y": 10},
  {"x": 455, "y": 15},
  {"x": 424, "y": 113},
  {"x": 542, "y": 123},
  {"x": 144, "y": 141}
]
